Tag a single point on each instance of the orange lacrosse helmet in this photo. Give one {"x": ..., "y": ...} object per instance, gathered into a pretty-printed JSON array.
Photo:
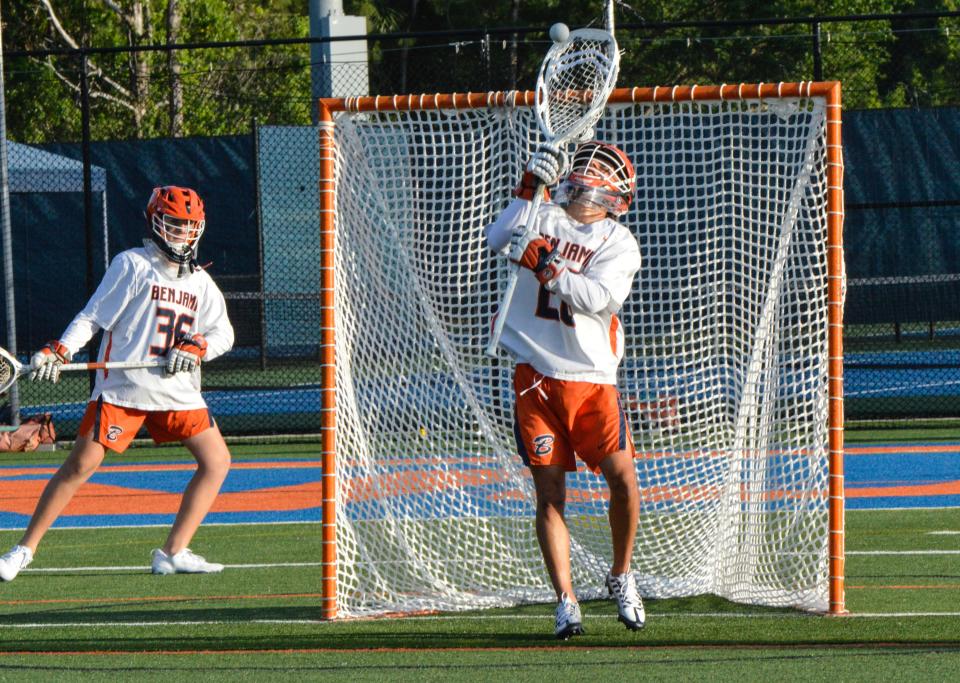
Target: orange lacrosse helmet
[
  {"x": 600, "y": 174},
  {"x": 176, "y": 219}
]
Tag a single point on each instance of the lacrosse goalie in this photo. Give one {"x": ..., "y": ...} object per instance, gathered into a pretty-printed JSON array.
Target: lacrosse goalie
[{"x": 576, "y": 269}]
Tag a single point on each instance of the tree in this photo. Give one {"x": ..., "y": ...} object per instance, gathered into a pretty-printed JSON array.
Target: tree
[{"x": 151, "y": 93}]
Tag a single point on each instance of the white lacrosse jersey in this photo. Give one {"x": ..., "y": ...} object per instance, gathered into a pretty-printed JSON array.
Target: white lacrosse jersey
[
  {"x": 142, "y": 305},
  {"x": 569, "y": 330}
]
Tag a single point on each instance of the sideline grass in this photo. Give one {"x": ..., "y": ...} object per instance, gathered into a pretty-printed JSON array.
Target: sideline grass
[
  {"x": 246, "y": 615},
  {"x": 727, "y": 663},
  {"x": 248, "y": 623}
]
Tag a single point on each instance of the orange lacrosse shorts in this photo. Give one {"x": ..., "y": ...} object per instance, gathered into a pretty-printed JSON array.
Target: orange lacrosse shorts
[
  {"x": 115, "y": 426},
  {"x": 556, "y": 421}
]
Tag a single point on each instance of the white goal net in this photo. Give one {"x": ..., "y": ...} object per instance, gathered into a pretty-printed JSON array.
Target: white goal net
[{"x": 724, "y": 379}]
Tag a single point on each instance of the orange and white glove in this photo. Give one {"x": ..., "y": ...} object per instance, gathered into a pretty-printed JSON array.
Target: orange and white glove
[
  {"x": 531, "y": 251},
  {"x": 186, "y": 353},
  {"x": 548, "y": 163},
  {"x": 545, "y": 167},
  {"x": 46, "y": 362}
]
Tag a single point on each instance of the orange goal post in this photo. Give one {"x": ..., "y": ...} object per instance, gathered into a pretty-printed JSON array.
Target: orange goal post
[{"x": 732, "y": 377}]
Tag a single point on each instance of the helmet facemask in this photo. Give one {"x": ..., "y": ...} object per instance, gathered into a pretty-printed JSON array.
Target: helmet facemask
[
  {"x": 179, "y": 236},
  {"x": 176, "y": 219},
  {"x": 601, "y": 176}
]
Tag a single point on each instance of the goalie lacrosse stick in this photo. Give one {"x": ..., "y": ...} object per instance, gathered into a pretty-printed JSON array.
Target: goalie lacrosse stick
[
  {"x": 11, "y": 369},
  {"x": 576, "y": 78}
]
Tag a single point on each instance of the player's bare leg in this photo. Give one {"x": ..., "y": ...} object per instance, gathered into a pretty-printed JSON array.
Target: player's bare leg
[
  {"x": 624, "y": 513},
  {"x": 554, "y": 539},
  {"x": 84, "y": 459},
  {"x": 618, "y": 469},
  {"x": 213, "y": 463},
  {"x": 552, "y": 532}
]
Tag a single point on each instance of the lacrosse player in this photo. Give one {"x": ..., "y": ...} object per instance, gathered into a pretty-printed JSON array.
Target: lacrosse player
[
  {"x": 576, "y": 270},
  {"x": 154, "y": 301}
]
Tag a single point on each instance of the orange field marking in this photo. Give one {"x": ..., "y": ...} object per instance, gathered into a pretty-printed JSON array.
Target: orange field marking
[
  {"x": 938, "y": 586},
  {"x": 938, "y": 645},
  {"x": 876, "y": 450},
  {"x": 947, "y": 488},
  {"x": 108, "y": 469},
  {"x": 20, "y": 496},
  {"x": 102, "y": 499}
]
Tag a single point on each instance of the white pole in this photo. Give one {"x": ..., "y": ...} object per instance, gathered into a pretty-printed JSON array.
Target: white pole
[
  {"x": 608, "y": 16},
  {"x": 339, "y": 67},
  {"x": 7, "y": 241}
]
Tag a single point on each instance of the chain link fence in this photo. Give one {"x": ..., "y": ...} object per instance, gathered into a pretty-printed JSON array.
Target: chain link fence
[{"x": 246, "y": 142}]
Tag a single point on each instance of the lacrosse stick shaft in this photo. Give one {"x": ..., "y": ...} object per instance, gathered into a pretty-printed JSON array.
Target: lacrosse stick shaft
[
  {"x": 507, "y": 296},
  {"x": 586, "y": 62},
  {"x": 112, "y": 365},
  {"x": 11, "y": 369}
]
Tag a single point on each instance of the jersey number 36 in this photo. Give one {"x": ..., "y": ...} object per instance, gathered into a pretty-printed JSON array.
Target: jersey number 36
[{"x": 170, "y": 326}]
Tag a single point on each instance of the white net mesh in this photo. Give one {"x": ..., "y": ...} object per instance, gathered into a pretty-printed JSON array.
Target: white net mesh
[{"x": 724, "y": 377}]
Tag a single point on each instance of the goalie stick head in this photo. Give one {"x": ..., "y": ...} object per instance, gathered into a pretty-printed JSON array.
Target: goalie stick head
[
  {"x": 176, "y": 220},
  {"x": 600, "y": 175},
  {"x": 10, "y": 369},
  {"x": 576, "y": 78}
]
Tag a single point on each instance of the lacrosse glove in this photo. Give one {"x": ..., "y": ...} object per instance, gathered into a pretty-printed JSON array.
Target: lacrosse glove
[
  {"x": 185, "y": 354},
  {"x": 533, "y": 252},
  {"x": 46, "y": 362}
]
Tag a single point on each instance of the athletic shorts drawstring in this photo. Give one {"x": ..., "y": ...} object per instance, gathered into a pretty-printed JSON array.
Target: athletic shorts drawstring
[{"x": 536, "y": 385}]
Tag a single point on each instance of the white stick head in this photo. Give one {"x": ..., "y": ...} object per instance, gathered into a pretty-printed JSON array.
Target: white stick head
[
  {"x": 10, "y": 369},
  {"x": 559, "y": 32},
  {"x": 575, "y": 80}
]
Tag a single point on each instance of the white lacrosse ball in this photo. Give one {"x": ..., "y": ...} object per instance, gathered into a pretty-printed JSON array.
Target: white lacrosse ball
[{"x": 559, "y": 32}]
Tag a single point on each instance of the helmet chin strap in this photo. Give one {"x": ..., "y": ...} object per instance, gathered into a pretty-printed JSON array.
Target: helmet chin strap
[{"x": 182, "y": 267}]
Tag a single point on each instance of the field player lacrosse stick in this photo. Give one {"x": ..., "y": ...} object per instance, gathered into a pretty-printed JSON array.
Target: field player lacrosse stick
[
  {"x": 11, "y": 369},
  {"x": 576, "y": 78}
]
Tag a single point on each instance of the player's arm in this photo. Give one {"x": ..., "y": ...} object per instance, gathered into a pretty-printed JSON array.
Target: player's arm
[
  {"x": 219, "y": 332},
  {"x": 215, "y": 339},
  {"x": 545, "y": 167},
  {"x": 101, "y": 312},
  {"x": 604, "y": 284},
  {"x": 499, "y": 232}
]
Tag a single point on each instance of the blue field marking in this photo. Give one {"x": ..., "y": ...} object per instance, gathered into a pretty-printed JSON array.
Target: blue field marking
[
  {"x": 902, "y": 502},
  {"x": 902, "y": 469},
  {"x": 174, "y": 481},
  {"x": 868, "y": 472}
]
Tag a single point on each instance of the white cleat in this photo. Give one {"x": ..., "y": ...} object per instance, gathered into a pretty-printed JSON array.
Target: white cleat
[
  {"x": 183, "y": 562},
  {"x": 569, "y": 622},
  {"x": 629, "y": 603},
  {"x": 18, "y": 557}
]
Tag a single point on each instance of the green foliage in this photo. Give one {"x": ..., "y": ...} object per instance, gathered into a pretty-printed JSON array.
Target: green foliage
[
  {"x": 223, "y": 89},
  {"x": 881, "y": 63}
]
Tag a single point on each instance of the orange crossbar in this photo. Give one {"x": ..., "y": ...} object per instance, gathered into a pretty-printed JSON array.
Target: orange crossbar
[{"x": 829, "y": 90}]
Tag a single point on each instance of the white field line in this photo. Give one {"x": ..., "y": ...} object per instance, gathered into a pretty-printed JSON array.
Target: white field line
[
  {"x": 902, "y": 508},
  {"x": 63, "y": 527},
  {"x": 475, "y": 617},
  {"x": 141, "y": 567},
  {"x": 269, "y": 565},
  {"x": 903, "y": 552},
  {"x": 945, "y": 532}
]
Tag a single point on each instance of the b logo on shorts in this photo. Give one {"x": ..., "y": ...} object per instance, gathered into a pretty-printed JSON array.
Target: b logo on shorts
[
  {"x": 543, "y": 444},
  {"x": 114, "y": 432}
]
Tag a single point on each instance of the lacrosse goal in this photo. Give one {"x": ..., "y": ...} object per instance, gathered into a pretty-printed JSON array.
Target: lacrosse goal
[{"x": 732, "y": 376}]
